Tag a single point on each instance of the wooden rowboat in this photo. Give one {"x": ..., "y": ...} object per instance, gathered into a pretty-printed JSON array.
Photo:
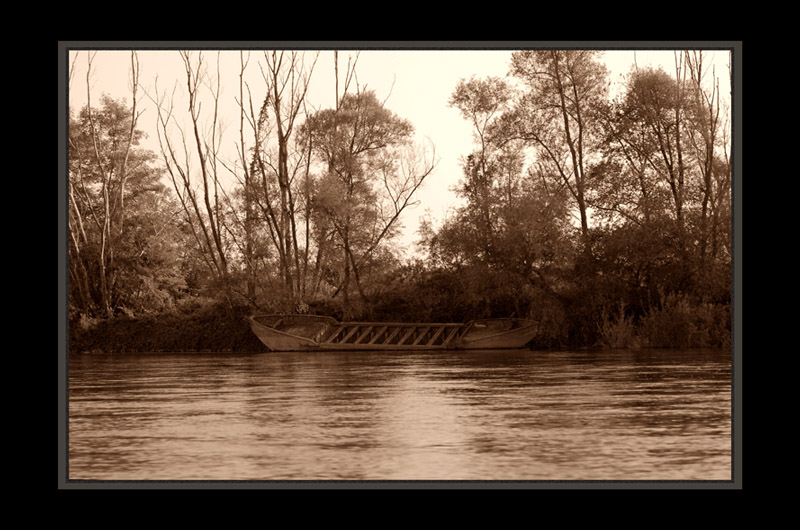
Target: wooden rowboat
[{"x": 311, "y": 332}]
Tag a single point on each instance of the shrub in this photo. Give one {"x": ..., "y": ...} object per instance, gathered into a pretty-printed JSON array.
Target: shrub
[
  {"x": 617, "y": 331},
  {"x": 679, "y": 323},
  {"x": 214, "y": 327}
]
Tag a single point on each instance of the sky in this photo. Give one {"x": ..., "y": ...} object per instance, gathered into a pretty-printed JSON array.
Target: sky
[{"x": 416, "y": 84}]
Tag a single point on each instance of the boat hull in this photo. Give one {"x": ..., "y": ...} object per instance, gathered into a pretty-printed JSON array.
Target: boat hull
[{"x": 315, "y": 333}]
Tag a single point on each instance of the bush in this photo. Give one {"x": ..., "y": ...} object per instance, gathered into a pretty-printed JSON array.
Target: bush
[
  {"x": 552, "y": 317},
  {"x": 214, "y": 327},
  {"x": 617, "y": 331},
  {"x": 679, "y": 323},
  {"x": 326, "y": 307}
]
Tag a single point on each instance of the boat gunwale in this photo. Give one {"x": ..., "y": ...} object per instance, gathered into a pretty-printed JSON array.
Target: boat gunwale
[
  {"x": 506, "y": 332},
  {"x": 467, "y": 325},
  {"x": 252, "y": 318}
]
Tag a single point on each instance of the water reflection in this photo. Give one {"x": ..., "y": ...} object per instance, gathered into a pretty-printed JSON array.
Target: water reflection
[{"x": 500, "y": 415}]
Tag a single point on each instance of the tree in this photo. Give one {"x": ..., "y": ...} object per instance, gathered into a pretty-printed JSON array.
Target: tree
[
  {"x": 370, "y": 174},
  {"x": 204, "y": 211},
  {"x": 556, "y": 114},
  {"x": 706, "y": 131},
  {"x": 668, "y": 136},
  {"x": 119, "y": 213},
  {"x": 662, "y": 180},
  {"x": 276, "y": 168},
  {"x": 481, "y": 102},
  {"x": 100, "y": 154},
  {"x": 656, "y": 100},
  {"x": 511, "y": 234}
]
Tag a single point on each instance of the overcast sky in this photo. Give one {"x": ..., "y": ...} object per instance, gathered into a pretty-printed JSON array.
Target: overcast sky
[{"x": 417, "y": 84}]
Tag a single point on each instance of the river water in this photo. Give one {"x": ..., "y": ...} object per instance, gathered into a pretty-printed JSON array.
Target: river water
[{"x": 517, "y": 415}]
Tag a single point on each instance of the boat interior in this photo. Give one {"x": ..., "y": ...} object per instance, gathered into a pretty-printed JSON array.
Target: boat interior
[{"x": 326, "y": 330}]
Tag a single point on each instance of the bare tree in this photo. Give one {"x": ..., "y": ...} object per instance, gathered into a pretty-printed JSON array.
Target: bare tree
[
  {"x": 204, "y": 207},
  {"x": 248, "y": 185},
  {"x": 706, "y": 129},
  {"x": 276, "y": 165}
]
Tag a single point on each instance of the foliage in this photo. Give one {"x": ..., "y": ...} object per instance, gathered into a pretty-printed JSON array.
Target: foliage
[
  {"x": 208, "y": 327},
  {"x": 650, "y": 169},
  {"x": 617, "y": 330},
  {"x": 370, "y": 172},
  {"x": 683, "y": 323},
  {"x": 125, "y": 248},
  {"x": 606, "y": 221}
]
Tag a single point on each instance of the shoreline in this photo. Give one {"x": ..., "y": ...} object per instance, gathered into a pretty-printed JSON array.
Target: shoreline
[{"x": 216, "y": 329}]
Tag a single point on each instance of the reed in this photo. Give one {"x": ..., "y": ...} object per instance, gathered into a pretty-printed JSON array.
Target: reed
[
  {"x": 683, "y": 323},
  {"x": 617, "y": 330}
]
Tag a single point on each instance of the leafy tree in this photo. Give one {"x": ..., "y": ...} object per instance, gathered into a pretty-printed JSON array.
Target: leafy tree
[
  {"x": 665, "y": 179},
  {"x": 512, "y": 234},
  {"x": 370, "y": 174},
  {"x": 647, "y": 170},
  {"x": 123, "y": 241},
  {"x": 656, "y": 102},
  {"x": 557, "y": 115},
  {"x": 99, "y": 156}
]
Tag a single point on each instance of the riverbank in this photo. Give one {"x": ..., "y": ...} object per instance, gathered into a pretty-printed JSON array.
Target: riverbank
[
  {"x": 217, "y": 328},
  {"x": 207, "y": 329}
]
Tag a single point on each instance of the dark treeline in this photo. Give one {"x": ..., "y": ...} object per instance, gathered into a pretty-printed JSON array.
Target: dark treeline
[{"x": 606, "y": 217}]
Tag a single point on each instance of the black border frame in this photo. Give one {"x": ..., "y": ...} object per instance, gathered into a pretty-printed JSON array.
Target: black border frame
[{"x": 736, "y": 155}]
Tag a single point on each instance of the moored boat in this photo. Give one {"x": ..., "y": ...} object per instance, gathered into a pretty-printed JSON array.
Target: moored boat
[{"x": 312, "y": 332}]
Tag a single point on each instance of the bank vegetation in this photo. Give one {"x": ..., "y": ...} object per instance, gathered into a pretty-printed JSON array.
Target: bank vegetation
[{"x": 604, "y": 216}]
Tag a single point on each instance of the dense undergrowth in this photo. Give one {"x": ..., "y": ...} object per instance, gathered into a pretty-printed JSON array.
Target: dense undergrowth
[
  {"x": 679, "y": 323},
  {"x": 210, "y": 328}
]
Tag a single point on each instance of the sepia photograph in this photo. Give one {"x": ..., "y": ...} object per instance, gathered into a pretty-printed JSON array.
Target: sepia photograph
[{"x": 331, "y": 265}]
